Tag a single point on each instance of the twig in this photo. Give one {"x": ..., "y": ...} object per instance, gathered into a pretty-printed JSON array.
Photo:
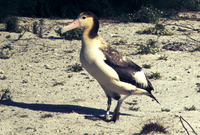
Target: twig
[{"x": 181, "y": 118}]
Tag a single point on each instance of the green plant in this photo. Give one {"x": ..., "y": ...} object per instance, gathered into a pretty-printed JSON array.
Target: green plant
[
  {"x": 58, "y": 83},
  {"x": 74, "y": 34},
  {"x": 35, "y": 27},
  {"x": 25, "y": 81},
  {"x": 146, "y": 66},
  {"x": 174, "y": 78},
  {"x": 193, "y": 108},
  {"x": 159, "y": 29},
  {"x": 6, "y": 52},
  {"x": 131, "y": 103},
  {"x": 134, "y": 108},
  {"x": 198, "y": 76},
  {"x": 163, "y": 58},
  {"x": 69, "y": 76},
  {"x": 148, "y": 48},
  {"x": 196, "y": 49},
  {"x": 120, "y": 42},
  {"x": 47, "y": 116},
  {"x": 155, "y": 75},
  {"x": 7, "y": 46},
  {"x": 149, "y": 14},
  {"x": 165, "y": 110},
  {"x": 198, "y": 84},
  {"x": 12, "y": 25},
  {"x": 76, "y": 67},
  {"x": 6, "y": 95}
]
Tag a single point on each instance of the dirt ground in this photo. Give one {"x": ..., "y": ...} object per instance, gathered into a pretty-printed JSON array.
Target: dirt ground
[{"x": 48, "y": 98}]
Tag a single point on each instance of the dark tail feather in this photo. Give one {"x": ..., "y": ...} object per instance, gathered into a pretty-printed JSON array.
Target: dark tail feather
[{"x": 154, "y": 98}]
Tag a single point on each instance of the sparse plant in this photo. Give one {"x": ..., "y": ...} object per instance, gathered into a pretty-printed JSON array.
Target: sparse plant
[
  {"x": 91, "y": 80},
  {"x": 134, "y": 108},
  {"x": 163, "y": 58},
  {"x": 74, "y": 34},
  {"x": 69, "y": 76},
  {"x": 174, "y": 78},
  {"x": 148, "y": 48},
  {"x": 149, "y": 14},
  {"x": 41, "y": 28},
  {"x": 153, "y": 127},
  {"x": 198, "y": 76},
  {"x": 76, "y": 67},
  {"x": 12, "y": 25},
  {"x": 186, "y": 96},
  {"x": 146, "y": 66},
  {"x": 6, "y": 52},
  {"x": 25, "y": 81},
  {"x": 35, "y": 27},
  {"x": 47, "y": 116},
  {"x": 155, "y": 75},
  {"x": 125, "y": 18},
  {"x": 159, "y": 29},
  {"x": 193, "y": 108},
  {"x": 6, "y": 95},
  {"x": 131, "y": 103},
  {"x": 58, "y": 83},
  {"x": 198, "y": 84},
  {"x": 196, "y": 49},
  {"x": 120, "y": 42},
  {"x": 165, "y": 110}
]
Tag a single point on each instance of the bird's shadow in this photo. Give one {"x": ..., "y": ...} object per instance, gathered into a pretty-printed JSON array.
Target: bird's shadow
[{"x": 90, "y": 113}]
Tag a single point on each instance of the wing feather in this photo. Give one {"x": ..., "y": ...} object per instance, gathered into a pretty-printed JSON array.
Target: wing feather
[{"x": 127, "y": 70}]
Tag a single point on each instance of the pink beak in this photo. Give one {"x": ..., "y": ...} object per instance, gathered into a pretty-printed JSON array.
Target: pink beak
[{"x": 73, "y": 25}]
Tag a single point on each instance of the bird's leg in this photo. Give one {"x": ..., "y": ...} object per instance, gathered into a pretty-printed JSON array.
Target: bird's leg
[
  {"x": 116, "y": 112},
  {"x": 108, "y": 108}
]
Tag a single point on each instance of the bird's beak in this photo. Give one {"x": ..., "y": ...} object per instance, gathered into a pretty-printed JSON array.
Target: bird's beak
[{"x": 71, "y": 26}]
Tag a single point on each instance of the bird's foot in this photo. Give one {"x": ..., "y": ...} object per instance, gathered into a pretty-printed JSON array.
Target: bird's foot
[
  {"x": 115, "y": 117},
  {"x": 106, "y": 117}
]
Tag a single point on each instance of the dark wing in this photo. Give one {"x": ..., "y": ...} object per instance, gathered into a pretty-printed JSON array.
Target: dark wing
[{"x": 125, "y": 68}]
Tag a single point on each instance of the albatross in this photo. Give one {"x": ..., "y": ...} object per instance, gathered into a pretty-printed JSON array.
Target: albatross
[{"x": 116, "y": 74}]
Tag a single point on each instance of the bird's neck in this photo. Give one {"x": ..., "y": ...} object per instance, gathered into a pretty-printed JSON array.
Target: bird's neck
[{"x": 88, "y": 36}]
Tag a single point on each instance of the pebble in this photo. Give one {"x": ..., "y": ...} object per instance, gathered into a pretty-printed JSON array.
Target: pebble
[
  {"x": 47, "y": 66},
  {"x": 1, "y": 72}
]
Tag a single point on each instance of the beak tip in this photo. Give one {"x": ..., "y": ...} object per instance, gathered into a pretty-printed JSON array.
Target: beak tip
[{"x": 62, "y": 30}]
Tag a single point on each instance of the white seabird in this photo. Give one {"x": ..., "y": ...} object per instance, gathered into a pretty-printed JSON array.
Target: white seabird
[{"x": 114, "y": 72}]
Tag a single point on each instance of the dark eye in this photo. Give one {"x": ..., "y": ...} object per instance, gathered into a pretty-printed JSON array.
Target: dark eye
[{"x": 83, "y": 17}]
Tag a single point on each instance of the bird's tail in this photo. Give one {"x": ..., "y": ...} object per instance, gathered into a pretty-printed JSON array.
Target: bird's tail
[{"x": 150, "y": 95}]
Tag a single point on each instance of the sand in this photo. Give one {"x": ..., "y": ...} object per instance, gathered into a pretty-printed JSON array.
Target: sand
[{"x": 48, "y": 98}]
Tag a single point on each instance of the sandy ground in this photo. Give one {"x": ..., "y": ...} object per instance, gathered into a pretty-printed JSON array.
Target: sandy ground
[{"x": 40, "y": 107}]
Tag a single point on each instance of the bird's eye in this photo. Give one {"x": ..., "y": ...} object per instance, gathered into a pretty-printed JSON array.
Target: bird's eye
[{"x": 83, "y": 17}]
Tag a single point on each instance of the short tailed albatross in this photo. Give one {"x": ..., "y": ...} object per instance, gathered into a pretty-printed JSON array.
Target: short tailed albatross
[{"x": 114, "y": 72}]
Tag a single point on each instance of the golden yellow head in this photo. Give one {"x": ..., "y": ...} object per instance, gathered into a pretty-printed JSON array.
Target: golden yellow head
[{"x": 86, "y": 20}]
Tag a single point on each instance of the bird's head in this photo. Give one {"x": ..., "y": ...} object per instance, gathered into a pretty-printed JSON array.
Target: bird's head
[{"x": 86, "y": 20}]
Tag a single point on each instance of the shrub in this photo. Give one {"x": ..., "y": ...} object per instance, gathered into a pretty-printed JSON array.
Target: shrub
[
  {"x": 12, "y": 25},
  {"x": 149, "y": 14},
  {"x": 159, "y": 29},
  {"x": 74, "y": 34},
  {"x": 148, "y": 48},
  {"x": 155, "y": 75}
]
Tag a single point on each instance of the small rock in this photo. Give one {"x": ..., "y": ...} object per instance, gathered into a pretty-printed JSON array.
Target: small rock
[
  {"x": 1, "y": 72},
  {"x": 47, "y": 66}
]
